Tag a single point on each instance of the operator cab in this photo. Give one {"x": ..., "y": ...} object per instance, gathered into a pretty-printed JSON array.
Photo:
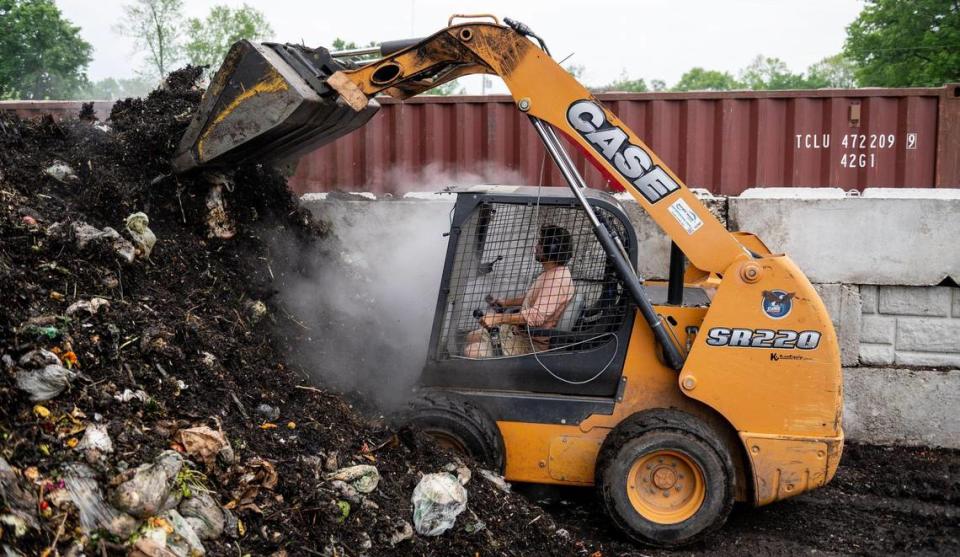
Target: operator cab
[{"x": 491, "y": 251}]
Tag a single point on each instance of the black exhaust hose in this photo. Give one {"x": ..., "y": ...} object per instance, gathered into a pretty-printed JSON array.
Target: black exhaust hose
[{"x": 389, "y": 47}]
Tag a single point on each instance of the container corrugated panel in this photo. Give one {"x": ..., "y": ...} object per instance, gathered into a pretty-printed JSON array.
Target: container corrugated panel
[
  {"x": 57, "y": 109},
  {"x": 722, "y": 141}
]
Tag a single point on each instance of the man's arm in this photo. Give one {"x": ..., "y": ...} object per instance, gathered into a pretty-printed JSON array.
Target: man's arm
[
  {"x": 508, "y": 302},
  {"x": 556, "y": 294}
]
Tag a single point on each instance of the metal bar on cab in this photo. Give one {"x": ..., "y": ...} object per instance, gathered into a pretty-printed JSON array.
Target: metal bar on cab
[
  {"x": 615, "y": 251},
  {"x": 350, "y": 53}
]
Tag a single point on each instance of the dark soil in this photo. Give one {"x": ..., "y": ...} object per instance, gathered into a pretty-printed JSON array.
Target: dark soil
[
  {"x": 191, "y": 298},
  {"x": 883, "y": 501}
]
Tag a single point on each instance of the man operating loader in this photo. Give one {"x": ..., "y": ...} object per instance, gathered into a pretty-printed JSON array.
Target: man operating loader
[
  {"x": 673, "y": 401},
  {"x": 541, "y": 307}
]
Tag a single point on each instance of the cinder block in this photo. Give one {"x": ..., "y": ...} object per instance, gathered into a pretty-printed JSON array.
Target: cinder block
[
  {"x": 928, "y": 335},
  {"x": 868, "y": 298},
  {"x": 652, "y": 244},
  {"x": 915, "y": 300},
  {"x": 857, "y": 240},
  {"x": 843, "y": 305},
  {"x": 908, "y": 407},
  {"x": 849, "y": 329},
  {"x": 927, "y": 359},
  {"x": 830, "y": 294},
  {"x": 876, "y": 354},
  {"x": 878, "y": 329}
]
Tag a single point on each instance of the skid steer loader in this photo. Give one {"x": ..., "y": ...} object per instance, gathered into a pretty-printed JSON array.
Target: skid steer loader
[{"x": 673, "y": 398}]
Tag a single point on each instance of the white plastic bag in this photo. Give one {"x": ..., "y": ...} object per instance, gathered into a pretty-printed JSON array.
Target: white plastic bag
[
  {"x": 437, "y": 500},
  {"x": 143, "y": 237},
  {"x": 44, "y": 384},
  {"x": 95, "y": 513},
  {"x": 96, "y": 437},
  {"x": 363, "y": 477},
  {"x": 147, "y": 492}
]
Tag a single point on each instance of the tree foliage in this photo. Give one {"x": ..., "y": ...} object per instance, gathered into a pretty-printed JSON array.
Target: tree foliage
[
  {"x": 896, "y": 43},
  {"x": 447, "y": 89},
  {"x": 111, "y": 89},
  {"x": 156, "y": 27},
  {"x": 42, "y": 55},
  {"x": 576, "y": 70},
  {"x": 836, "y": 71},
  {"x": 699, "y": 79},
  {"x": 766, "y": 73},
  {"x": 211, "y": 37},
  {"x": 625, "y": 84}
]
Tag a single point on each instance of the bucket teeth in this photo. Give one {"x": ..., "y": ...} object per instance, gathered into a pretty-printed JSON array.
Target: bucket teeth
[{"x": 268, "y": 102}]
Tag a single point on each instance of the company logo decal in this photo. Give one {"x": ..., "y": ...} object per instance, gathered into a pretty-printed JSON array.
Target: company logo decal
[
  {"x": 631, "y": 161},
  {"x": 777, "y": 303},
  {"x": 774, "y": 357},
  {"x": 763, "y": 338}
]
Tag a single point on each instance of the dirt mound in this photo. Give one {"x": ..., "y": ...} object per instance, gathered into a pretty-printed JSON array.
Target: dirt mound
[{"x": 131, "y": 348}]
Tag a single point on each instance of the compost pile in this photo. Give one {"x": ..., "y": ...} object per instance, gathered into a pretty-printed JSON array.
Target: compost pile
[{"x": 146, "y": 406}]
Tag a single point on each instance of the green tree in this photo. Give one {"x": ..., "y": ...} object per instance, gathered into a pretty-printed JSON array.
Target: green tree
[
  {"x": 342, "y": 44},
  {"x": 155, "y": 27},
  {"x": 447, "y": 89},
  {"x": 111, "y": 89},
  {"x": 576, "y": 70},
  {"x": 624, "y": 83},
  {"x": 658, "y": 85},
  {"x": 835, "y": 71},
  {"x": 42, "y": 55},
  {"x": 699, "y": 79},
  {"x": 771, "y": 74},
  {"x": 210, "y": 38},
  {"x": 896, "y": 43}
]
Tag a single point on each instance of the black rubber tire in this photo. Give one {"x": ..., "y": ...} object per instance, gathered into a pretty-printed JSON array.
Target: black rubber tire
[
  {"x": 663, "y": 429},
  {"x": 440, "y": 414}
]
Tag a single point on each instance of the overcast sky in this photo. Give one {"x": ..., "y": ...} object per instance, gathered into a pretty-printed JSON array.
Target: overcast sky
[{"x": 650, "y": 39}]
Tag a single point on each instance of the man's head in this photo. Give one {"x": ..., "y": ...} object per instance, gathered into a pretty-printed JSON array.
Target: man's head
[{"x": 555, "y": 244}]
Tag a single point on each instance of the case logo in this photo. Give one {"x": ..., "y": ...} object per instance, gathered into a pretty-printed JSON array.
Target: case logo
[
  {"x": 631, "y": 161},
  {"x": 777, "y": 303}
]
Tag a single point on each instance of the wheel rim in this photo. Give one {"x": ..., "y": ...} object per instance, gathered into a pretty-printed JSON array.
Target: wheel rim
[
  {"x": 666, "y": 486},
  {"x": 448, "y": 441}
]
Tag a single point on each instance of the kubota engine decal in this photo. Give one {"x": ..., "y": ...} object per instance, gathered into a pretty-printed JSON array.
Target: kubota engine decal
[
  {"x": 630, "y": 160},
  {"x": 763, "y": 338}
]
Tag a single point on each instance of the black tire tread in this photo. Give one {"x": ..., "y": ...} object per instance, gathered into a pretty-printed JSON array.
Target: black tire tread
[
  {"x": 662, "y": 420},
  {"x": 451, "y": 404}
]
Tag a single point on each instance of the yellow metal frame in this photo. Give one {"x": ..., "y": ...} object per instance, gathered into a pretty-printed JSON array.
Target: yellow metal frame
[{"x": 777, "y": 411}]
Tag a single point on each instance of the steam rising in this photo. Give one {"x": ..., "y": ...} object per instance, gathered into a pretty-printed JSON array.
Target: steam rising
[{"x": 366, "y": 296}]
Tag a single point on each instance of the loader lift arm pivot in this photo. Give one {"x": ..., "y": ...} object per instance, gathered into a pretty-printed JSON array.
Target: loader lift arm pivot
[{"x": 553, "y": 99}]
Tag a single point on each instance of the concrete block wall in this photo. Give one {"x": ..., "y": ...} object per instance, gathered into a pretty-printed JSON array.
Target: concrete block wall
[
  {"x": 877, "y": 261},
  {"x": 910, "y": 326}
]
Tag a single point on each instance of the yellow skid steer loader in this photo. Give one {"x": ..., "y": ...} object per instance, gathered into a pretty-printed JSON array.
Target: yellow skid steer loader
[{"x": 549, "y": 357}]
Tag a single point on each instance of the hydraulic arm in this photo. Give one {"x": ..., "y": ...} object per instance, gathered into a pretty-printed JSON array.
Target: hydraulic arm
[
  {"x": 283, "y": 99},
  {"x": 553, "y": 99},
  {"x": 546, "y": 92}
]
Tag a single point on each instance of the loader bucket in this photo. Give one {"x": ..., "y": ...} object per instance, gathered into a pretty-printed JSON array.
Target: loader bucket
[{"x": 268, "y": 102}]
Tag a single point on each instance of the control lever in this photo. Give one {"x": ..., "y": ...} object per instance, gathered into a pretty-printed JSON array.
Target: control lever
[
  {"x": 487, "y": 268},
  {"x": 492, "y": 302},
  {"x": 494, "y": 333}
]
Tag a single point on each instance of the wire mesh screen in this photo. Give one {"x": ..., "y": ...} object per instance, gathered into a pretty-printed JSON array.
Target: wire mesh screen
[{"x": 543, "y": 271}]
